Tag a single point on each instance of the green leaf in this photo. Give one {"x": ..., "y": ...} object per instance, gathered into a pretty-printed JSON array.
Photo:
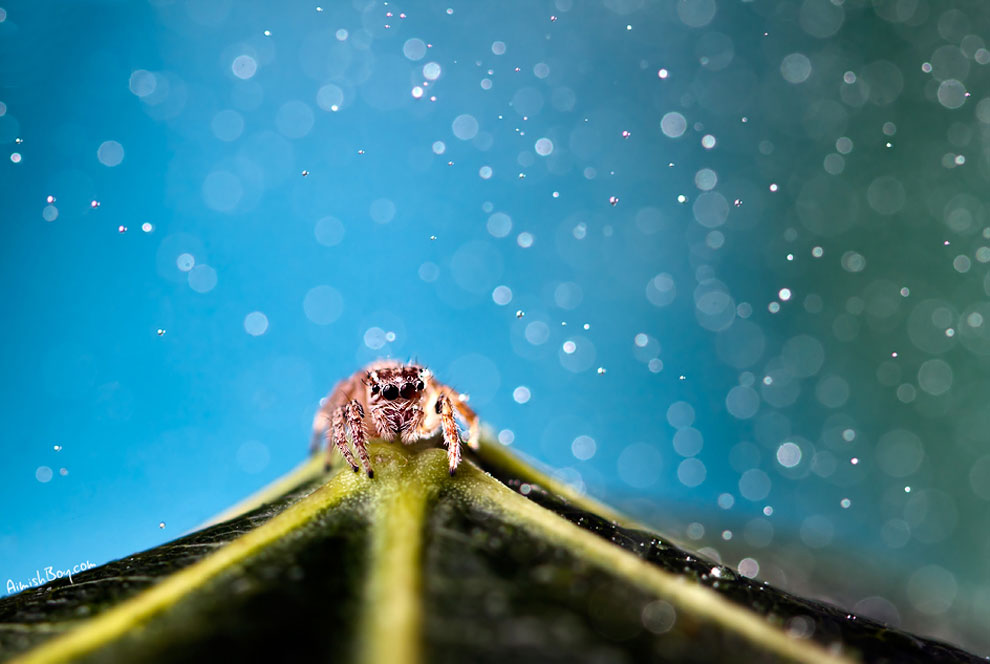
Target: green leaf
[{"x": 499, "y": 562}]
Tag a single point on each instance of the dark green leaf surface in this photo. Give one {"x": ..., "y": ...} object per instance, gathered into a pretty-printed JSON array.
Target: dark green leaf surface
[{"x": 418, "y": 566}]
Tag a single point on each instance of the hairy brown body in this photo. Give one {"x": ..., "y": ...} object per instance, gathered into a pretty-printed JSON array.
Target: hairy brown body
[{"x": 393, "y": 401}]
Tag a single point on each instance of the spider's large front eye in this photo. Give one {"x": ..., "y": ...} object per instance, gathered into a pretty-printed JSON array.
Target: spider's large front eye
[
  {"x": 374, "y": 389},
  {"x": 390, "y": 392},
  {"x": 408, "y": 390}
]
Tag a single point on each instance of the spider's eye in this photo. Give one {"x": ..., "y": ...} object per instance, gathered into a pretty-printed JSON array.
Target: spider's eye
[
  {"x": 390, "y": 392},
  {"x": 374, "y": 389},
  {"x": 420, "y": 386},
  {"x": 408, "y": 390}
]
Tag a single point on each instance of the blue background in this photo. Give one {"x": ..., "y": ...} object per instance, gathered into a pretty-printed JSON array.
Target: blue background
[{"x": 668, "y": 372}]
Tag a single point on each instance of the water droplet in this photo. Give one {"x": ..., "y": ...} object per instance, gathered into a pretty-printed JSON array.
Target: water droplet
[
  {"x": 360, "y": 151},
  {"x": 601, "y": 371},
  {"x": 161, "y": 332},
  {"x": 907, "y": 489},
  {"x": 161, "y": 524},
  {"x": 268, "y": 33},
  {"x": 122, "y": 229},
  {"x": 305, "y": 173},
  {"x": 553, "y": 19},
  {"x": 18, "y": 140},
  {"x": 433, "y": 237},
  {"x": 662, "y": 73},
  {"x": 94, "y": 204},
  {"x": 773, "y": 186},
  {"x": 625, "y": 133},
  {"x": 737, "y": 202},
  {"x": 613, "y": 200},
  {"x": 50, "y": 199},
  {"x": 520, "y": 313},
  {"x": 854, "y": 460},
  {"x": 57, "y": 448}
]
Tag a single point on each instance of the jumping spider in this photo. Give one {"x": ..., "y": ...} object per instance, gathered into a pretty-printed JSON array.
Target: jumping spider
[{"x": 396, "y": 401}]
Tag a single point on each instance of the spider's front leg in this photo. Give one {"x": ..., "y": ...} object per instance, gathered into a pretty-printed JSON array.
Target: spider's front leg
[
  {"x": 451, "y": 436},
  {"x": 340, "y": 439},
  {"x": 354, "y": 413}
]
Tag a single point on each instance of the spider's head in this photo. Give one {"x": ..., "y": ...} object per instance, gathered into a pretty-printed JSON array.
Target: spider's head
[{"x": 395, "y": 384}]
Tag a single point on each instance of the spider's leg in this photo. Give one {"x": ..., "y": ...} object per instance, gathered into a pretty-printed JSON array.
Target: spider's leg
[
  {"x": 321, "y": 424},
  {"x": 473, "y": 423},
  {"x": 340, "y": 439},
  {"x": 355, "y": 422},
  {"x": 451, "y": 436}
]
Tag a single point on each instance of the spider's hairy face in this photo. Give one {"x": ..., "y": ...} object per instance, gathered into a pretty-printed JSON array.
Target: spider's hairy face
[{"x": 395, "y": 396}]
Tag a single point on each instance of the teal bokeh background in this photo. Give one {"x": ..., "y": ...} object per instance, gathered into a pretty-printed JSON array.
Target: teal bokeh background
[{"x": 720, "y": 263}]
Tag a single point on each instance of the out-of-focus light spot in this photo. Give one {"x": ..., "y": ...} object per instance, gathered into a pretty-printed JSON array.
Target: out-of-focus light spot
[
  {"x": 341, "y": 34},
  {"x": 142, "y": 83},
  {"x": 583, "y": 447},
  {"x": 414, "y": 49},
  {"x": 382, "y": 210},
  {"x": 15, "y": 157},
  {"x": 43, "y": 474},
  {"x": 708, "y": 141},
  {"x": 784, "y": 294},
  {"x": 185, "y": 262},
  {"x": 543, "y": 147},
  {"x": 506, "y": 436},
  {"x": 749, "y": 568},
  {"x": 525, "y": 240},
  {"x": 639, "y": 465},
  {"x": 845, "y": 503},
  {"x": 691, "y": 472},
  {"x": 431, "y": 71},
  {"x": 485, "y": 172},
  {"x": 499, "y": 224},
  {"x": 202, "y": 278},
  {"x": 375, "y": 338},
  {"x": 244, "y": 66},
  {"x": 330, "y": 97},
  {"x": 673, "y": 124},
  {"x": 256, "y": 323},
  {"x": 110, "y": 153},
  {"x": 323, "y": 304},
  {"x": 789, "y": 455},
  {"x": 795, "y": 68},
  {"x": 662, "y": 73},
  {"x": 754, "y": 485},
  {"x": 464, "y": 127},
  {"x": 502, "y": 295},
  {"x": 521, "y": 394}
]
